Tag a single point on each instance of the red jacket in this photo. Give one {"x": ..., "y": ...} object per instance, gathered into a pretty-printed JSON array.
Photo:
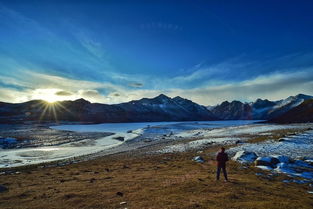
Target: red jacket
[{"x": 221, "y": 158}]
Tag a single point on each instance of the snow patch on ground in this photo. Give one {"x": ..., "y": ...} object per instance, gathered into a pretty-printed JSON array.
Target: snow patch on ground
[
  {"x": 182, "y": 147},
  {"x": 260, "y": 129},
  {"x": 294, "y": 147}
]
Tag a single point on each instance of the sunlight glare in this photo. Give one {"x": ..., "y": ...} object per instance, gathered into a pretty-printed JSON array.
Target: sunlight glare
[{"x": 48, "y": 95}]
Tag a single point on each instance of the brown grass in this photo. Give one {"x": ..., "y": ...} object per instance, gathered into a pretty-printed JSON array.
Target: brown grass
[{"x": 151, "y": 181}]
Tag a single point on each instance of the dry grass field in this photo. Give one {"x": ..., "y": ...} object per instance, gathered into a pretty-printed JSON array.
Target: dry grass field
[{"x": 149, "y": 181}]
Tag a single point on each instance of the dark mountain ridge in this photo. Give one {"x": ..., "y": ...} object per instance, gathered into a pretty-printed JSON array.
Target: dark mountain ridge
[
  {"x": 258, "y": 110},
  {"x": 160, "y": 108},
  {"x": 300, "y": 114}
]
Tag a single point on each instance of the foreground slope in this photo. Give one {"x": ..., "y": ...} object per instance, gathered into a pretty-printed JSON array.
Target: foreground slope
[{"x": 153, "y": 181}]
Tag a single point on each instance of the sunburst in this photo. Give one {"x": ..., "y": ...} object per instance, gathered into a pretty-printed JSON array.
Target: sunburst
[{"x": 50, "y": 110}]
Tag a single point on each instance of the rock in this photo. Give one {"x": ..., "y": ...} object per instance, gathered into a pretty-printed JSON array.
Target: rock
[
  {"x": 238, "y": 142},
  {"x": 123, "y": 203},
  {"x": 282, "y": 158},
  {"x": 3, "y": 189},
  {"x": 130, "y": 131},
  {"x": 198, "y": 159},
  {"x": 120, "y": 138},
  {"x": 245, "y": 157},
  {"x": 309, "y": 161},
  {"x": 281, "y": 140},
  {"x": 120, "y": 194},
  {"x": 266, "y": 161}
]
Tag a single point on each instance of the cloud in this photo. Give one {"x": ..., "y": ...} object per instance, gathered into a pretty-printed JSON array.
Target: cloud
[
  {"x": 135, "y": 85},
  {"x": 273, "y": 86},
  {"x": 92, "y": 46},
  {"x": 65, "y": 88},
  {"x": 202, "y": 75},
  {"x": 14, "y": 96},
  {"x": 63, "y": 93}
]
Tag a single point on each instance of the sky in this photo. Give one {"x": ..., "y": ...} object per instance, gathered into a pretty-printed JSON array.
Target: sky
[{"x": 113, "y": 51}]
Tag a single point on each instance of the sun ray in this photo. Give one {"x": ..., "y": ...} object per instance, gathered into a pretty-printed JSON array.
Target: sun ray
[
  {"x": 61, "y": 106},
  {"x": 53, "y": 107},
  {"x": 43, "y": 113}
]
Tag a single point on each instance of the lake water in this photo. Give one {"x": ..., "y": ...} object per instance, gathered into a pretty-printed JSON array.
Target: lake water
[{"x": 166, "y": 126}]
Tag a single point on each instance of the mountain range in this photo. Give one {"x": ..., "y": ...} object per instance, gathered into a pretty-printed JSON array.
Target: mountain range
[
  {"x": 300, "y": 114},
  {"x": 161, "y": 108},
  {"x": 258, "y": 110}
]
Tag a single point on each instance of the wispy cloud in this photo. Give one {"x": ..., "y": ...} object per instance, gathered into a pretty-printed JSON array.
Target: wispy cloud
[
  {"x": 272, "y": 86},
  {"x": 92, "y": 46},
  {"x": 63, "y": 93},
  {"x": 135, "y": 85}
]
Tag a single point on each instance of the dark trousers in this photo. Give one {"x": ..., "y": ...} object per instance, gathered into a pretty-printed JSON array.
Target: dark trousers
[{"x": 219, "y": 167}]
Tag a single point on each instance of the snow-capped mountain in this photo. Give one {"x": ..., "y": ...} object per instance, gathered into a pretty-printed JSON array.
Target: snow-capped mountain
[
  {"x": 258, "y": 110},
  {"x": 285, "y": 105},
  {"x": 164, "y": 108},
  {"x": 234, "y": 110},
  {"x": 160, "y": 108},
  {"x": 302, "y": 113}
]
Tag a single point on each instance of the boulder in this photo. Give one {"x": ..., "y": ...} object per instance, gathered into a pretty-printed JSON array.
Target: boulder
[
  {"x": 309, "y": 161},
  {"x": 282, "y": 158},
  {"x": 245, "y": 157},
  {"x": 120, "y": 138},
  {"x": 266, "y": 161},
  {"x": 198, "y": 159},
  {"x": 121, "y": 194},
  {"x": 3, "y": 188}
]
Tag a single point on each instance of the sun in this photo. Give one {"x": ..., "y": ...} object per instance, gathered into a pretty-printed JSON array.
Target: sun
[
  {"x": 49, "y": 106},
  {"x": 48, "y": 95},
  {"x": 51, "y": 99}
]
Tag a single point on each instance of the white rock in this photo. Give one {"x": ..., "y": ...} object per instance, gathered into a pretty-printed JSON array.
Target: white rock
[
  {"x": 198, "y": 159},
  {"x": 245, "y": 157}
]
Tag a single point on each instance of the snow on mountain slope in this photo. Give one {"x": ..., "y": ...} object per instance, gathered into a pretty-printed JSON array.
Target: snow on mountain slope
[{"x": 258, "y": 110}]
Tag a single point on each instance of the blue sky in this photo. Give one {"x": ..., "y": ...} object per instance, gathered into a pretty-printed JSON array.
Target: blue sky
[{"x": 116, "y": 51}]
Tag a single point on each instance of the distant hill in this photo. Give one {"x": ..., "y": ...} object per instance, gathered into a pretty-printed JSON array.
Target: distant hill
[
  {"x": 160, "y": 108},
  {"x": 300, "y": 114}
]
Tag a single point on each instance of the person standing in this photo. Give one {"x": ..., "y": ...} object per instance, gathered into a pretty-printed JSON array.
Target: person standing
[{"x": 221, "y": 159}]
